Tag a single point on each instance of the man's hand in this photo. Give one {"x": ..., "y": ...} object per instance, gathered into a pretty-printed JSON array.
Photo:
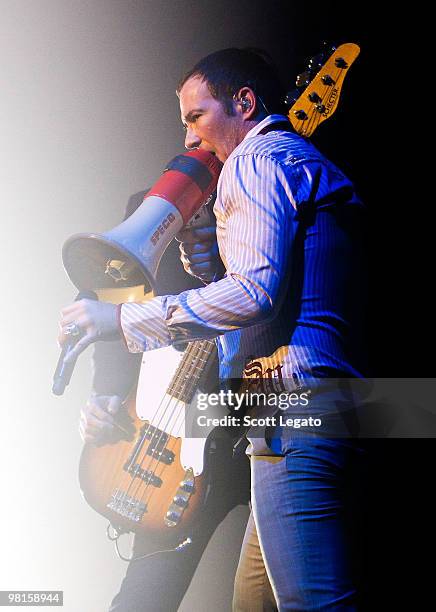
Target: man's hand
[
  {"x": 94, "y": 320},
  {"x": 199, "y": 253},
  {"x": 97, "y": 424}
]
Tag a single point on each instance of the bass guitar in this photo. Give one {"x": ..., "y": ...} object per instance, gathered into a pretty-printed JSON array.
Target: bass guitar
[{"x": 152, "y": 479}]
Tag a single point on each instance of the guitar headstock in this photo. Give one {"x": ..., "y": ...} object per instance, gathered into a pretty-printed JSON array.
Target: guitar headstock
[{"x": 319, "y": 88}]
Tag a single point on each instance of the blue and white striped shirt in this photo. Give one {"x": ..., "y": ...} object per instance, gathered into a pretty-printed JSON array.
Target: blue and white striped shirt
[{"x": 288, "y": 302}]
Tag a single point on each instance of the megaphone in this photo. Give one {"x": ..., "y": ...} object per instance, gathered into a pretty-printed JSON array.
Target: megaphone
[{"x": 129, "y": 254}]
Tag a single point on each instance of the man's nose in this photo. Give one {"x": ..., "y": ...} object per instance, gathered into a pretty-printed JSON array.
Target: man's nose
[{"x": 192, "y": 141}]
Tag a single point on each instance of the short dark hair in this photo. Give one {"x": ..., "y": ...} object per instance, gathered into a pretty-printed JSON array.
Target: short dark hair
[{"x": 228, "y": 70}]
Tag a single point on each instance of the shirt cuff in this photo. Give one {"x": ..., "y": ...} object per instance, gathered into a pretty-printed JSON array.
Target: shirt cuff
[
  {"x": 144, "y": 326},
  {"x": 120, "y": 327}
]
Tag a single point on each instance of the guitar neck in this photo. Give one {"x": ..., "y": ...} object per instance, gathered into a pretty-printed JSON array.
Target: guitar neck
[{"x": 196, "y": 360}]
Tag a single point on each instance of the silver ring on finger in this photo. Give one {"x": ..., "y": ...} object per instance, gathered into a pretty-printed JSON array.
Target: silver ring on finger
[{"x": 72, "y": 330}]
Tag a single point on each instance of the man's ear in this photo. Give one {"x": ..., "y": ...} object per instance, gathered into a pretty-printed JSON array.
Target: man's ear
[{"x": 245, "y": 100}]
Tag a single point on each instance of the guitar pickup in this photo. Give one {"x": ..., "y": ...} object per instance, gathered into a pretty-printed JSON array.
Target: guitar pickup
[
  {"x": 146, "y": 475},
  {"x": 161, "y": 454},
  {"x": 154, "y": 434}
]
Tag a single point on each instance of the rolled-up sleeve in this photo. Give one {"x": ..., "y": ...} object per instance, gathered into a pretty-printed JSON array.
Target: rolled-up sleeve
[{"x": 255, "y": 211}]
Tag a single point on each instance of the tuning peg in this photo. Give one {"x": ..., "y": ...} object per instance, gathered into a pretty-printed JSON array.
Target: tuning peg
[
  {"x": 301, "y": 115},
  {"x": 291, "y": 97},
  {"x": 316, "y": 62},
  {"x": 327, "y": 80},
  {"x": 328, "y": 48},
  {"x": 303, "y": 79},
  {"x": 314, "y": 97},
  {"x": 341, "y": 63}
]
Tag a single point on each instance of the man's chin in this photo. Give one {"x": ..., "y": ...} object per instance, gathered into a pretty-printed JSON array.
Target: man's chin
[
  {"x": 221, "y": 156},
  {"x": 213, "y": 153}
]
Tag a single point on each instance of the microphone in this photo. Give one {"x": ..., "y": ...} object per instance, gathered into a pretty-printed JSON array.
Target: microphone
[{"x": 63, "y": 372}]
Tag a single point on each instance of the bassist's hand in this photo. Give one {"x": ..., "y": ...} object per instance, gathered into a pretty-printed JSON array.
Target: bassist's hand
[{"x": 97, "y": 423}]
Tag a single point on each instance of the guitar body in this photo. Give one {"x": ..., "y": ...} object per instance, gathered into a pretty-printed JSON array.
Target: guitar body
[
  {"x": 150, "y": 479},
  {"x": 103, "y": 479}
]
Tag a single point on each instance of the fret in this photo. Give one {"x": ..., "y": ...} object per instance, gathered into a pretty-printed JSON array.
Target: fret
[{"x": 193, "y": 364}]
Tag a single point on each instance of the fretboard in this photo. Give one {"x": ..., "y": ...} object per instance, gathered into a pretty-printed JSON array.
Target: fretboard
[{"x": 196, "y": 359}]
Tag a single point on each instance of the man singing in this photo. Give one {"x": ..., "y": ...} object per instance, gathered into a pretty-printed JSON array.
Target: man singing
[{"x": 287, "y": 307}]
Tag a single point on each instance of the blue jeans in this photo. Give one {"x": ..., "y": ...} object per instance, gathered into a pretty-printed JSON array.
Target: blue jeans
[{"x": 299, "y": 538}]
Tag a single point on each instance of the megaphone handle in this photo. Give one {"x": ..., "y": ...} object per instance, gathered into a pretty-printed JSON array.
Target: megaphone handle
[{"x": 204, "y": 217}]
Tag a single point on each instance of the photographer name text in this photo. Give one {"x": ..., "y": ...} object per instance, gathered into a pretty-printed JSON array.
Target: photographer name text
[{"x": 278, "y": 420}]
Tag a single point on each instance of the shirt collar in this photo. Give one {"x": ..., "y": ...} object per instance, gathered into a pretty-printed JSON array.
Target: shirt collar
[{"x": 263, "y": 124}]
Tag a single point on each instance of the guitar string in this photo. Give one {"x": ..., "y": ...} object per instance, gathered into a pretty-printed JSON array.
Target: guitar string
[
  {"x": 179, "y": 421},
  {"x": 198, "y": 352},
  {"x": 170, "y": 409},
  {"x": 160, "y": 467},
  {"x": 175, "y": 428},
  {"x": 193, "y": 364},
  {"x": 204, "y": 354},
  {"x": 140, "y": 443},
  {"x": 132, "y": 475},
  {"x": 147, "y": 430}
]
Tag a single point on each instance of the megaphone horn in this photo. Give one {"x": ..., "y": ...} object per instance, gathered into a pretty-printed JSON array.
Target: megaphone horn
[{"x": 129, "y": 254}]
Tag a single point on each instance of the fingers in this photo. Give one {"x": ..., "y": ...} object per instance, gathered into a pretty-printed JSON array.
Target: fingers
[
  {"x": 94, "y": 430},
  {"x": 200, "y": 260},
  {"x": 80, "y": 346},
  {"x": 113, "y": 404},
  {"x": 195, "y": 258},
  {"x": 92, "y": 426},
  {"x": 75, "y": 309},
  {"x": 198, "y": 234},
  {"x": 95, "y": 433},
  {"x": 74, "y": 314},
  {"x": 72, "y": 307},
  {"x": 97, "y": 422},
  {"x": 201, "y": 269},
  {"x": 95, "y": 320},
  {"x": 198, "y": 252},
  {"x": 62, "y": 338},
  {"x": 196, "y": 247}
]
